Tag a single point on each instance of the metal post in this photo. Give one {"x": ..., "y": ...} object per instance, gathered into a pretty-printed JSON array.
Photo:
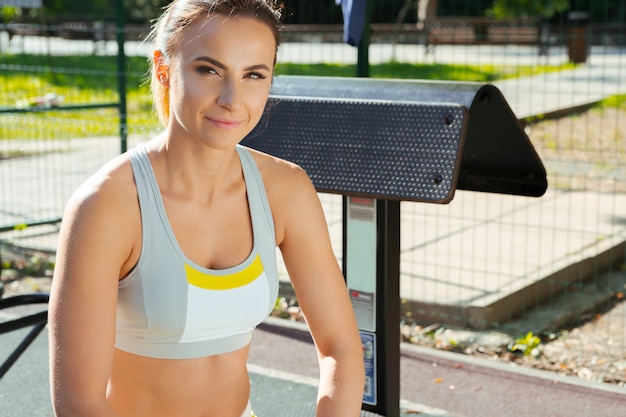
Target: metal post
[
  {"x": 362, "y": 63},
  {"x": 372, "y": 268},
  {"x": 121, "y": 72},
  {"x": 388, "y": 307}
]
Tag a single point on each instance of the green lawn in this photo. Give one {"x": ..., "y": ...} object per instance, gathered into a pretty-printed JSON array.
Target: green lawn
[
  {"x": 616, "y": 101},
  {"x": 93, "y": 79},
  {"x": 477, "y": 73}
]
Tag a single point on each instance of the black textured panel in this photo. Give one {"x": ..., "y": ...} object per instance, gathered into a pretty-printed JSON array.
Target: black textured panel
[
  {"x": 378, "y": 149},
  {"x": 498, "y": 156}
]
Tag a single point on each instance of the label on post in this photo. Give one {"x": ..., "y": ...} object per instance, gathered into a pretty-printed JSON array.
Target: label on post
[
  {"x": 369, "y": 357},
  {"x": 361, "y": 260}
]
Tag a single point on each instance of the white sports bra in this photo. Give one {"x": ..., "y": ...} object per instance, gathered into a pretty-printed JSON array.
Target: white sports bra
[{"x": 168, "y": 306}]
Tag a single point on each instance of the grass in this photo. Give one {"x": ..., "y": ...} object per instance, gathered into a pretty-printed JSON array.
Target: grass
[
  {"x": 617, "y": 101},
  {"x": 79, "y": 80},
  {"x": 476, "y": 73},
  {"x": 93, "y": 79}
]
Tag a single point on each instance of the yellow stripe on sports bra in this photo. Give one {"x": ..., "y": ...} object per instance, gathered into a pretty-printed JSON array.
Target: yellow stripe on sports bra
[{"x": 224, "y": 282}]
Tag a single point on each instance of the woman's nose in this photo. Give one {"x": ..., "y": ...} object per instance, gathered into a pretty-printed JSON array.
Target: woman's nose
[{"x": 230, "y": 95}]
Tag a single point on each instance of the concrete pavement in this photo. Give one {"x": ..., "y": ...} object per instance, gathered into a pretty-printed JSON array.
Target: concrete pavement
[
  {"x": 283, "y": 373},
  {"x": 437, "y": 383}
]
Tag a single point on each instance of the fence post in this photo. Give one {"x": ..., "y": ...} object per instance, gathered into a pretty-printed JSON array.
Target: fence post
[
  {"x": 121, "y": 73},
  {"x": 362, "y": 63}
]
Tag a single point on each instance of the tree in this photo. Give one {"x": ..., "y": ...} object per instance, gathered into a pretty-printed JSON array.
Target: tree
[
  {"x": 527, "y": 8},
  {"x": 143, "y": 11},
  {"x": 79, "y": 9}
]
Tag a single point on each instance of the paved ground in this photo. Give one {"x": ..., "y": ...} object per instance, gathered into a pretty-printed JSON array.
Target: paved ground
[{"x": 433, "y": 383}]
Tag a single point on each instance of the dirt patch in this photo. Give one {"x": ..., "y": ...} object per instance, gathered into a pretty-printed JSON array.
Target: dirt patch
[
  {"x": 592, "y": 349},
  {"x": 25, "y": 270}
]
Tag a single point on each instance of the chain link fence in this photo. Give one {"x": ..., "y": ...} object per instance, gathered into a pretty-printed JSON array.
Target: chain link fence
[{"x": 548, "y": 275}]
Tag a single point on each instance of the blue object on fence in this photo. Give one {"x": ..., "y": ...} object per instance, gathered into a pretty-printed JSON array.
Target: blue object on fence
[{"x": 353, "y": 20}]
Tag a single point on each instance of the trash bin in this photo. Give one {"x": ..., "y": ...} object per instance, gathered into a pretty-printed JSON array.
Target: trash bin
[{"x": 577, "y": 27}]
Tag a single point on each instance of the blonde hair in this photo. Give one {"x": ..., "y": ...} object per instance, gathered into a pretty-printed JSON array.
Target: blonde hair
[{"x": 168, "y": 28}]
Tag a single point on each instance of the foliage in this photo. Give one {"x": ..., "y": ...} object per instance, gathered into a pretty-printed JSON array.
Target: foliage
[
  {"x": 54, "y": 11},
  {"x": 603, "y": 11},
  {"x": 80, "y": 9},
  {"x": 311, "y": 11},
  {"x": 527, "y": 8},
  {"x": 526, "y": 344},
  {"x": 462, "y": 7},
  {"x": 616, "y": 101},
  {"x": 143, "y": 11},
  {"x": 9, "y": 13},
  {"x": 327, "y": 12}
]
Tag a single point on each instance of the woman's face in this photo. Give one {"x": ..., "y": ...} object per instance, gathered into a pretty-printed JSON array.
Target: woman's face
[{"x": 220, "y": 79}]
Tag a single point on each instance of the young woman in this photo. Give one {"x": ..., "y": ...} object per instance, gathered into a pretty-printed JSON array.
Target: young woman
[{"x": 166, "y": 258}]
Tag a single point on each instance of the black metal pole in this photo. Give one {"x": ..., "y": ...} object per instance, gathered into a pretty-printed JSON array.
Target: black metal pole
[
  {"x": 362, "y": 63},
  {"x": 121, "y": 72},
  {"x": 387, "y": 308}
]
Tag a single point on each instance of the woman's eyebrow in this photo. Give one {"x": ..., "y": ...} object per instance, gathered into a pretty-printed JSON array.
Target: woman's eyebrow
[
  {"x": 210, "y": 60},
  {"x": 220, "y": 65},
  {"x": 257, "y": 67}
]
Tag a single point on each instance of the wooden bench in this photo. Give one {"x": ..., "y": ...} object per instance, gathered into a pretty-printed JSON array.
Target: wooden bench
[
  {"x": 438, "y": 31},
  {"x": 333, "y": 33},
  {"x": 483, "y": 30},
  {"x": 85, "y": 30}
]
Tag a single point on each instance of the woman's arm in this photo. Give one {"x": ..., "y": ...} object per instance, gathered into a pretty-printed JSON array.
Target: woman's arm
[
  {"x": 94, "y": 243},
  {"x": 322, "y": 295}
]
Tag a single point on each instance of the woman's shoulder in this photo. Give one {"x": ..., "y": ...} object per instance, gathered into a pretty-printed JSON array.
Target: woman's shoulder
[
  {"x": 290, "y": 192},
  {"x": 111, "y": 187},
  {"x": 277, "y": 172}
]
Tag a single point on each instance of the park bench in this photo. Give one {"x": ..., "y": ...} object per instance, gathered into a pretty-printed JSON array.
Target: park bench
[
  {"x": 471, "y": 30},
  {"x": 404, "y": 33},
  {"x": 475, "y": 30},
  {"x": 23, "y": 29},
  {"x": 94, "y": 31}
]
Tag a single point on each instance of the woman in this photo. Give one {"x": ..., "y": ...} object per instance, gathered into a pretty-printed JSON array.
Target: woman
[{"x": 157, "y": 247}]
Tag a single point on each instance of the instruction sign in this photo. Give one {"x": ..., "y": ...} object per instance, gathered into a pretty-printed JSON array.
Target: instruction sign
[
  {"x": 369, "y": 357},
  {"x": 361, "y": 260}
]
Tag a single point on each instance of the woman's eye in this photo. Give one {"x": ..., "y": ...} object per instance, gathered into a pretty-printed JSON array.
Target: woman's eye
[
  {"x": 256, "y": 76},
  {"x": 206, "y": 70}
]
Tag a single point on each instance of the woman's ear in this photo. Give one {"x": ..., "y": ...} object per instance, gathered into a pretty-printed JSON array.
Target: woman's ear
[{"x": 161, "y": 67}]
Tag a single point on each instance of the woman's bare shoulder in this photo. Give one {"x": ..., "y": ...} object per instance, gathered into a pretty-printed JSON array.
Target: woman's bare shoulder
[
  {"x": 112, "y": 187},
  {"x": 101, "y": 224},
  {"x": 277, "y": 172},
  {"x": 290, "y": 192}
]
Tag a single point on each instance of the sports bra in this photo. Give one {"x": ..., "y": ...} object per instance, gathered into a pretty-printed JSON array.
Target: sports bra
[{"x": 170, "y": 307}]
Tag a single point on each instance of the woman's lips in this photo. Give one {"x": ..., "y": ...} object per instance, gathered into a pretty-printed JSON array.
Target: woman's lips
[{"x": 225, "y": 123}]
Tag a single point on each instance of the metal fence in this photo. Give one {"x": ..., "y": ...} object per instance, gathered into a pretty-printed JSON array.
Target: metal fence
[{"x": 482, "y": 265}]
